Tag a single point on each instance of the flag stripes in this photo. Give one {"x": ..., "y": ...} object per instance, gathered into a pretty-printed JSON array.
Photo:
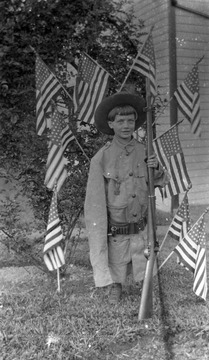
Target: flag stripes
[
  {"x": 169, "y": 152},
  {"x": 53, "y": 235},
  {"x": 200, "y": 275},
  {"x": 47, "y": 88},
  {"x": 192, "y": 252},
  {"x": 54, "y": 259},
  {"x": 53, "y": 253},
  {"x": 181, "y": 222},
  {"x": 188, "y": 99},
  {"x": 145, "y": 65},
  {"x": 187, "y": 251},
  {"x": 196, "y": 118},
  {"x": 176, "y": 167},
  {"x": 55, "y": 168},
  {"x": 61, "y": 136},
  {"x": 184, "y": 97},
  {"x": 175, "y": 228},
  {"x": 66, "y": 137},
  {"x": 90, "y": 88}
]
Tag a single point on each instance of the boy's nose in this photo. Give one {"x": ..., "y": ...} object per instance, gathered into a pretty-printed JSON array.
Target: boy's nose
[{"x": 126, "y": 123}]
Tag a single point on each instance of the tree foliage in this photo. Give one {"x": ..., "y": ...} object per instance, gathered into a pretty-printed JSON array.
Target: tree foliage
[{"x": 59, "y": 30}]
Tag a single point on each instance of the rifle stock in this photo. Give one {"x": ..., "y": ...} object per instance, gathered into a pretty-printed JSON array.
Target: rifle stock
[{"x": 146, "y": 304}]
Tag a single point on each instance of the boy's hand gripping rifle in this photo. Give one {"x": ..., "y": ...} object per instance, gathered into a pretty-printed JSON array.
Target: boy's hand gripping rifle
[{"x": 146, "y": 305}]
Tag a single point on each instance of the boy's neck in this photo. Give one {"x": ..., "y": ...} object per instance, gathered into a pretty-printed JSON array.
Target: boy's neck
[{"x": 123, "y": 141}]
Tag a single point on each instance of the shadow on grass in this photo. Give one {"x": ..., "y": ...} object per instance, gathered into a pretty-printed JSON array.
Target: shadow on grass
[{"x": 168, "y": 336}]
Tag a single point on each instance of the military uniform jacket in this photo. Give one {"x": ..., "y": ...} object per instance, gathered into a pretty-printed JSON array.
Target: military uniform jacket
[{"x": 116, "y": 192}]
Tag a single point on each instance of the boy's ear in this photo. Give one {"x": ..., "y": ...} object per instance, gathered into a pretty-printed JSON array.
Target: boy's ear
[{"x": 110, "y": 124}]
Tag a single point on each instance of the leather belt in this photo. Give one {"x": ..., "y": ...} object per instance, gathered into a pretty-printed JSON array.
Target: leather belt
[{"x": 127, "y": 229}]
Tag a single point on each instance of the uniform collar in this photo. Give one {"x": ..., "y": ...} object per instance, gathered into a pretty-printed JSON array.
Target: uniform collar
[{"x": 128, "y": 147}]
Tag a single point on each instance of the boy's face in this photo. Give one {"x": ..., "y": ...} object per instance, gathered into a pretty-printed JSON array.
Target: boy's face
[{"x": 123, "y": 126}]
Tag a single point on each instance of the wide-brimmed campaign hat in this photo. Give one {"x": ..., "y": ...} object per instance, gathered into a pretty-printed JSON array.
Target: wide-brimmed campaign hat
[{"x": 119, "y": 99}]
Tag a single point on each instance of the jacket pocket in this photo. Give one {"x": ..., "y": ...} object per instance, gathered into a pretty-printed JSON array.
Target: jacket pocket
[{"x": 117, "y": 214}]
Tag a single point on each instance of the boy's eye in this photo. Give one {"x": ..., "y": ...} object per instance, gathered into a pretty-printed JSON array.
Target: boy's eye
[{"x": 130, "y": 122}]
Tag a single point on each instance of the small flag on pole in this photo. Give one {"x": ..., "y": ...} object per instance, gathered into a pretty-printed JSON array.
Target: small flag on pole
[
  {"x": 47, "y": 88},
  {"x": 53, "y": 253},
  {"x": 181, "y": 223},
  {"x": 169, "y": 152},
  {"x": 61, "y": 136},
  {"x": 200, "y": 273},
  {"x": 182, "y": 216},
  {"x": 145, "y": 64},
  {"x": 188, "y": 99},
  {"x": 192, "y": 253},
  {"x": 90, "y": 88}
]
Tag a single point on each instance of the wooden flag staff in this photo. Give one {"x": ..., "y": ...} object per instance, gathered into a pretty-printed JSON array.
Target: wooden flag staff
[
  {"x": 58, "y": 270},
  {"x": 58, "y": 280}
]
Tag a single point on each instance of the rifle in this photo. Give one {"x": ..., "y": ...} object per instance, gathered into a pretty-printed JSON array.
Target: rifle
[{"x": 146, "y": 304}]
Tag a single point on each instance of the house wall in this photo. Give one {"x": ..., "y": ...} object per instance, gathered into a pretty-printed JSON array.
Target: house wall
[{"x": 192, "y": 34}]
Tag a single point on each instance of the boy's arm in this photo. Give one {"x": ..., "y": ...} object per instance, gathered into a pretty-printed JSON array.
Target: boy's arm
[{"x": 161, "y": 175}]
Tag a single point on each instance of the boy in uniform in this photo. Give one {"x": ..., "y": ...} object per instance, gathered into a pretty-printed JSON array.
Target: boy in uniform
[{"x": 117, "y": 194}]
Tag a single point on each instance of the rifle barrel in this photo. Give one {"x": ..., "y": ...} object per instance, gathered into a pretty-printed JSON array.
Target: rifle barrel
[{"x": 146, "y": 304}]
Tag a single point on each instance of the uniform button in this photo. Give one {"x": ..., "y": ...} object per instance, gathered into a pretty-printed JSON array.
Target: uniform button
[
  {"x": 134, "y": 195},
  {"x": 130, "y": 174}
]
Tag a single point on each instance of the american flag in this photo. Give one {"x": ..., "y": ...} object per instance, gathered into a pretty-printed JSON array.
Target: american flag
[
  {"x": 188, "y": 99},
  {"x": 145, "y": 64},
  {"x": 61, "y": 136},
  {"x": 90, "y": 88},
  {"x": 200, "y": 274},
  {"x": 53, "y": 253},
  {"x": 181, "y": 222},
  {"x": 192, "y": 253},
  {"x": 47, "y": 88},
  {"x": 168, "y": 149}
]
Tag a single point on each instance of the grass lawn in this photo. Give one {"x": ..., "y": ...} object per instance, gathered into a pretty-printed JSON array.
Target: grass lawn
[{"x": 37, "y": 322}]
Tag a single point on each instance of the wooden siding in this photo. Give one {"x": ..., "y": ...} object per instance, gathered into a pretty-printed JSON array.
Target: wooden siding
[{"x": 192, "y": 34}]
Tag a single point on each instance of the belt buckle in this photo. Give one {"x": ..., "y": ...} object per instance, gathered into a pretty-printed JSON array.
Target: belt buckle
[{"x": 113, "y": 230}]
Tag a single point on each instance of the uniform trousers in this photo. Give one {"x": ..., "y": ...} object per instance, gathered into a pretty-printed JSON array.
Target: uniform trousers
[{"x": 126, "y": 255}]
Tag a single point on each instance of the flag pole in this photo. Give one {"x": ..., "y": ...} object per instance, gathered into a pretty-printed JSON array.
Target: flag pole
[
  {"x": 179, "y": 122},
  {"x": 200, "y": 60},
  {"x": 77, "y": 142},
  {"x": 58, "y": 280},
  {"x": 58, "y": 270},
  {"x": 165, "y": 237},
  {"x": 67, "y": 93},
  {"x": 79, "y": 145},
  {"x": 135, "y": 60},
  {"x": 165, "y": 261},
  {"x": 160, "y": 113}
]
